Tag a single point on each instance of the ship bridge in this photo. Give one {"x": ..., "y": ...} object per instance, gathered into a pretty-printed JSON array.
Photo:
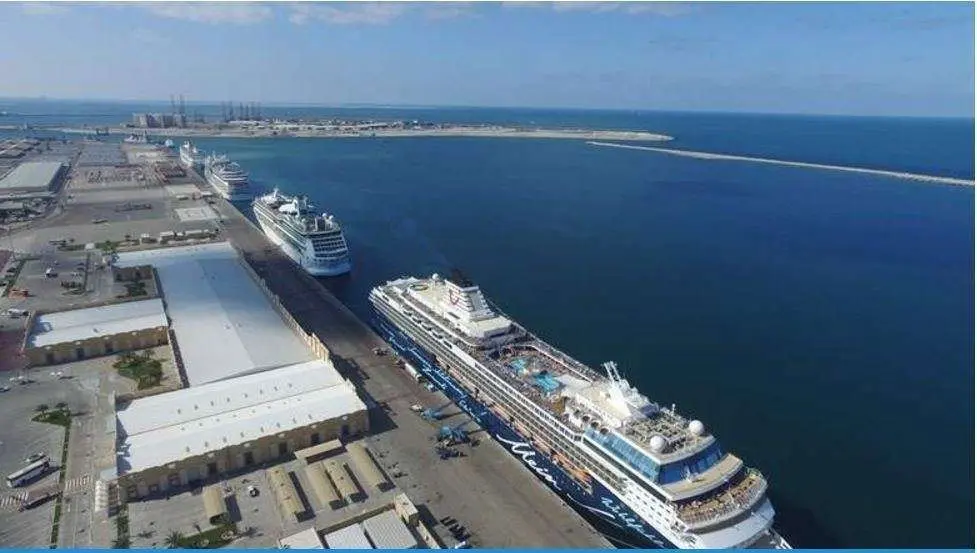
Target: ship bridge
[{"x": 460, "y": 303}]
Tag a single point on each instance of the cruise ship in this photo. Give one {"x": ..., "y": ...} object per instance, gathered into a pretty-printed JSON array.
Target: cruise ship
[
  {"x": 191, "y": 157},
  {"x": 227, "y": 178},
  {"x": 642, "y": 473},
  {"x": 314, "y": 241}
]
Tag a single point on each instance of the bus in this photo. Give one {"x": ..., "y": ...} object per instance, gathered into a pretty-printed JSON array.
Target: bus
[{"x": 28, "y": 473}]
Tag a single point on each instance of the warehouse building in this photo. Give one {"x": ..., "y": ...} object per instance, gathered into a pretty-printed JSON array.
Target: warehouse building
[
  {"x": 65, "y": 336},
  {"x": 396, "y": 525},
  {"x": 32, "y": 177},
  {"x": 185, "y": 437},
  {"x": 306, "y": 539},
  {"x": 211, "y": 299}
]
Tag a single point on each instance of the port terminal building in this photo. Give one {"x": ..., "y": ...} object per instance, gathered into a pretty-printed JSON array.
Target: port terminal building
[
  {"x": 186, "y": 437},
  {"x": 257, "y": 388},
  {"x": 65, "y": 336},
  {"x": 32, "y": 178}
]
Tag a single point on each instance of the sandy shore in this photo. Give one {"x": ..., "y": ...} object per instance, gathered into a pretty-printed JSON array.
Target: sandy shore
[{"x": 458, "y": 131}]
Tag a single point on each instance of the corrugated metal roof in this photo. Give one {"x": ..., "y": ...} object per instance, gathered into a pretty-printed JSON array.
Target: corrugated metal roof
[
  {"x": 105, "y": 320},
  {"x": 212, "y": 300},
  {"x": 168, "y": 427},
  {"x": 349, "y": 537},
  {"x": 32, "y": 175},
  {"x": 306, "y": 539},
  {"x": 387, "y": 531}
]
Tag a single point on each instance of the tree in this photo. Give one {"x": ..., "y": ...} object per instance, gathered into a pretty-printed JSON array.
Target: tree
[
  {"x": 61, "y": 405},
  {"x": 174, "y": 540},
  {"x": 120, "y": 543},
  {"x": 41, "y": 408}
]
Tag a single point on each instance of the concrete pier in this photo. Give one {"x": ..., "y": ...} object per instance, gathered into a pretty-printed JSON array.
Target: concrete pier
[{"x": 488, "y": 491}]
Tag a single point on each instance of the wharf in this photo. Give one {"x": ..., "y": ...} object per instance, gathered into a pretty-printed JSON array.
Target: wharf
[{"x": 490, "y": 492}]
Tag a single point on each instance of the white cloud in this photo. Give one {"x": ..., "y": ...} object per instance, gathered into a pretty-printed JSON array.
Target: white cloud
[
  {"x": 665, "y": 9},
  {"x": 530, "y": 4},
  {"x": 585, "y": 6},
  {"x": 43, "y": 8},
  {"x": 353, "y": 13},
  {"x": 239, "y": 13},
  {"x": 449, "y": 10}
]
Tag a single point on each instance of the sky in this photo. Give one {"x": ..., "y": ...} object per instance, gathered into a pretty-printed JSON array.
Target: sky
[{"x": 878, "y": 58}]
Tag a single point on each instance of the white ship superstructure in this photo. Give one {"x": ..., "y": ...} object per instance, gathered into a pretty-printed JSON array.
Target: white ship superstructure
[
  {"x": 594, "y": 438},
  {"x": 227, "y": 178},
  {"x": 313, "y": 240},
  {"x": 191, "y": 157}
]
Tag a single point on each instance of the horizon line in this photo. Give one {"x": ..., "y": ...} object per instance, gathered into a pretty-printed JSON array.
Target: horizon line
[{"x": 376, "y": 105}]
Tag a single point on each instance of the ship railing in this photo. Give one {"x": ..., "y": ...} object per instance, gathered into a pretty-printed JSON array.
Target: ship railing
[{"x": 727, "y": 504}]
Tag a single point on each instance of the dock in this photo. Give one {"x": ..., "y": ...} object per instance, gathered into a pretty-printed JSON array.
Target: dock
[{"x": 523, "y": 511}]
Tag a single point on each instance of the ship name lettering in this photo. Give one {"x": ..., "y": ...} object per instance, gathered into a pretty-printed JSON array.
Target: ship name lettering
[
  {"x": 629, "y": 520},
  {"x": 527, "y": 453}
]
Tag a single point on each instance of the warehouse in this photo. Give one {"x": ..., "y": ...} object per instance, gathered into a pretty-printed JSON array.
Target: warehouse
[
  {"x": 170, "y": 440},
  {"x": 385, "y": 529},
  {"x": 32, "y": 177},
  {"x": 306, "y": 539},
  {"x": 65, "y": 336},
  {"x": 211, "y": 299}
]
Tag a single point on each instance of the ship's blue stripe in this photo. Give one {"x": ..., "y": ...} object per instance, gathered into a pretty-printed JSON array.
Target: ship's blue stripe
[{"x": 600, "y": 506}]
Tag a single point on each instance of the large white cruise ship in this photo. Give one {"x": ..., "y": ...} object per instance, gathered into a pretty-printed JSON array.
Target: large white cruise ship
[
  {"x": 642, "y": 473},
  {"x": 227, "y": 178},
  {"x": 314, "y": 241},
  {"x": 191, "y": 157}
]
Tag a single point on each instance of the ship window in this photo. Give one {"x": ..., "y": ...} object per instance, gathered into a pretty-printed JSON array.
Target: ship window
[
  {"x": 637, "y": 460},
  {"x": 698, "y": 463}
]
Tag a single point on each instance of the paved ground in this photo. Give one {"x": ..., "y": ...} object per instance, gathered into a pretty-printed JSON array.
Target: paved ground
[
  {"x": 19, "y": 437},
  {"x": 488, "y": 491},
  {"x": 524, "y": 513}
]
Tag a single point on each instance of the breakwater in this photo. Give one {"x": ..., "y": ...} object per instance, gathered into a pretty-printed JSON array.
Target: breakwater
[{"x": 728, "y": 157}]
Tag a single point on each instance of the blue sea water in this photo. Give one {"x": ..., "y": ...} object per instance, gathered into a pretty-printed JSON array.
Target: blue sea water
[{"x": 820, "y": 323}]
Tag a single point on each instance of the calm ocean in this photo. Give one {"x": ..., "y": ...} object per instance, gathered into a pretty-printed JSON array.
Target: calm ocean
[{"x": 820, "y": 323}]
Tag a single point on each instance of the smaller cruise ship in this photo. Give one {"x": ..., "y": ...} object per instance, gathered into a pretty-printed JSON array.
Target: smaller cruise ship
[
  {"x": 314, "y": 241},
  {"x": 190, "y": 156},
  {"x": 227, "y": 178}
]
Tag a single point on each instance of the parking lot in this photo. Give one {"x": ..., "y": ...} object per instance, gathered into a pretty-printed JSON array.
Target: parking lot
[{"x": 21, "y": 437}]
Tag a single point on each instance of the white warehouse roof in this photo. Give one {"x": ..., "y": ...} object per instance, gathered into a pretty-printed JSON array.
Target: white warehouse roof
[
  {"x": 92, "y": 322},
  {"x": 31, "y": 175},
  {"x": 348, "y": 537},
  {"x": 166, "y": 428},
  {"x": 388, "y": 531},
  {"x": 212, "y": 301},
  {"x": 306, "y": 539}
]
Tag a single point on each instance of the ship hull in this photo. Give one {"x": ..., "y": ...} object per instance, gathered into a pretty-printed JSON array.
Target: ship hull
[
  {"x": 601, "y": 507},
  {"x": 228, "y": 194},
  {"x": 314, "y": 267}
]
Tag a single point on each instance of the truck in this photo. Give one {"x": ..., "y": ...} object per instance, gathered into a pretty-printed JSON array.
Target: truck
[{"x": 39, "y": 496}]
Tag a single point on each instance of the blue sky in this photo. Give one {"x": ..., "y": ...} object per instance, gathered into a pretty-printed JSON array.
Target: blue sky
[{"x": 844, "y": 58}]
